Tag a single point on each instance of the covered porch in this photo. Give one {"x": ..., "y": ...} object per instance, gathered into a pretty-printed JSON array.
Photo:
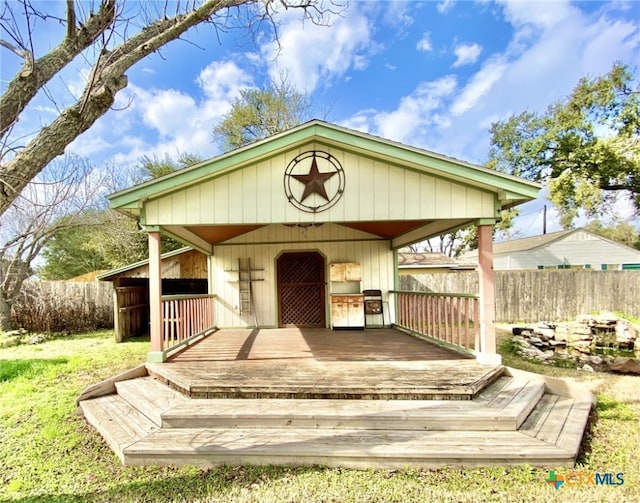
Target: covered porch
[
  {"x": 283, "y": 361},
  {"x": 298, "y": 226}
]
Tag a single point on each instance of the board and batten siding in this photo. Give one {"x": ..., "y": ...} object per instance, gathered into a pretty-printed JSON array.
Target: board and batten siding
[
  {"x": 374, "y": 190},
  {"x": 375, "y": 257}
]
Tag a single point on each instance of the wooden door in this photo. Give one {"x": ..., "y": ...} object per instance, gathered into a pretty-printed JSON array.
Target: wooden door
[{"x": 301, "y": 289}]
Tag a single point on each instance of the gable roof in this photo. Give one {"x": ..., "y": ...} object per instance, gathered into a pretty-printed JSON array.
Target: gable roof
[
  {"x": 110, "y": 275},
  {"x": 511, "y": 190},
  {"x": 535, "y": 242},
  {"x": 530, "y": 243}
]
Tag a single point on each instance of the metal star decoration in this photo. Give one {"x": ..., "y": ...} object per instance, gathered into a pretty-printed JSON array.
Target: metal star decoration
[{"x": 314, "y": 181}]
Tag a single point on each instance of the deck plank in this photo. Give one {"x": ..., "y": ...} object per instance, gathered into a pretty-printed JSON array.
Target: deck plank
[
  {"x": 117, "y": 421},
  {"x": 353, "y": 414},
  {"x": 571, "y": 435},
  {"x": 150, "y": 397},
  {"x": 345, "y": 448},
  {"x": 538, "y": 415},
  {"x": 555, "y": 420}
]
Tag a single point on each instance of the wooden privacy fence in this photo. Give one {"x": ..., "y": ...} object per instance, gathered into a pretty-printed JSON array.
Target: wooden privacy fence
[
  {"x": 448, "y": 318},
  {"x": 64, "y": 307},
  {"x": 185, "y": 316},
  {"x": 530, "y": 296}
]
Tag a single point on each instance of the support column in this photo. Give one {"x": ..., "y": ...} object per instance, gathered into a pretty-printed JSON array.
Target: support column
[
  {"x": 155, "y": 298},
  {"x": 487, "y": 353}
]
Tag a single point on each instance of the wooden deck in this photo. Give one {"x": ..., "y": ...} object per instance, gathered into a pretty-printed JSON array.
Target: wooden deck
[
  {"x": 509, "y": 417},
  {"x": 319, "y": 363}
]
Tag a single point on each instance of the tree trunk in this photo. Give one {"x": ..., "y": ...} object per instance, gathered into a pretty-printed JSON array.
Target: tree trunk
[{"x": 6, "y": 322}]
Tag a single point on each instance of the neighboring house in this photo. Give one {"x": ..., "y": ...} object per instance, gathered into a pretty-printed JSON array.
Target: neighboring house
[
  {"x": 570, "y": 249},
  {"x": 423, "y": 263},
  {"x": 279, "y": 220}
]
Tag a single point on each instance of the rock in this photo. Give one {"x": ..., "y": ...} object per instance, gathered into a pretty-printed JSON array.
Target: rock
[
  {"x": 37, "y": 339},
  {"x": 625, "y": 365},
  {"x": 584, "y": 319},
  {"x": 582, "y": 346},
  {"x": 596, "y": 360},
  {"x": 587, "y": 368},
  {"x": 625, "y": 333},
  {"x": 549, "y": 333}
]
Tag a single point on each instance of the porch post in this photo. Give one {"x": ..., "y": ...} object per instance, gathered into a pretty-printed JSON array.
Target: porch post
[
  {"x": 155, "y": 298},
  {"x": 487, "y": 353}
]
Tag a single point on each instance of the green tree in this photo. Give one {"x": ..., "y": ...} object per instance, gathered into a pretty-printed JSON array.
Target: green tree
[
  {"x": 260, "y": 113},
  {"x": 621, "y": 232},
  {"x": 155, "y": 167},
  {"x": 104, "y": 239},
  {"x": 586, "y": 146}
]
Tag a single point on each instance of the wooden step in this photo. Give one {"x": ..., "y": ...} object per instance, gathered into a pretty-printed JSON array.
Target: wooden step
[
  {"x": 387, "y": 449},
  {"x": 357, "y": 414},
  {"x": 341, "y": 380},
  {"x": 150, "y": 397},
  {"x": 504, "y": 409},
  {"x": 117, "y": 421},
  {"x": 559, "y": 421}
]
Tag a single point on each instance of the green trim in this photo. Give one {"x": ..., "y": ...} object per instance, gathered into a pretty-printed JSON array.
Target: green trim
[
  {"x": 485, "y": 221},
  {"x": 186, "y": 242},
  {"x": 131, "y": 200},
  {"x": 156, "y": 357},
  {"x": 135, "y": 265},
  {"x": 439, "y": 294},
  {"x": 193, "y": 296},
  {"x": 433, "y": 340}
]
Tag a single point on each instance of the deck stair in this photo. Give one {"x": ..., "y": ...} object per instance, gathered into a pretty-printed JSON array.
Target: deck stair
[{"x": 514, "y": 420}]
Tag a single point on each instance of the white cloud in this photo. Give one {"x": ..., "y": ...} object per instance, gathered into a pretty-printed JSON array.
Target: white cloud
[
  {"x": 445, "y": 6},
  {"x": 414, "y": 112},
  {"x": 479, "y": 86},
  {"x": 311, "y": 55},
  {"x": 542, "y": 14},
  {"x": 466, "y": 54},
  {"x": 181, "y": 122},
  {"x": 424, "y": 44}
]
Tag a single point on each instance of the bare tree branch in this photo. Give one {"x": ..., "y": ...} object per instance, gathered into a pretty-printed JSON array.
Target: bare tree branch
[{"x": 107, "y": 75}]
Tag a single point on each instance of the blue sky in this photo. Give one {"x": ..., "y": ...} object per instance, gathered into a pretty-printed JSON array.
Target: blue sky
[{"x": 431, "y": 74}]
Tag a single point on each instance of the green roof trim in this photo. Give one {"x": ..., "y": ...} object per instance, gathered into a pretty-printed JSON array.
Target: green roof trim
[
  {"x": 114, "y": 272},
  {"x": 510, "y": 188}
]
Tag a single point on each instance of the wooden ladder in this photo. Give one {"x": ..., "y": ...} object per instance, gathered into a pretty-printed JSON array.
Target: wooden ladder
[{"x": 245, "y": 288}]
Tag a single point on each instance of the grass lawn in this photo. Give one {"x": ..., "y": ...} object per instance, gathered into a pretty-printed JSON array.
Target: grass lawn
[{"x": 48, "y": 453}]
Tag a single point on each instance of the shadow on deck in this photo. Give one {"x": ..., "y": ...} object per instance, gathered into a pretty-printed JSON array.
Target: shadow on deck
[
  {"x": 320, "y": 363},
  {"x": 378, "y": 398}
]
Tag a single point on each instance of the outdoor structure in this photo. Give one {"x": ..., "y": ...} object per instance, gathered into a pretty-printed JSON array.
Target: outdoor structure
[
  {"x": 184, "y": 272},
  {"x": 271, "y": 217},
  {"x": 427, "y": 263},
  {"x": 304, "y": 350}
]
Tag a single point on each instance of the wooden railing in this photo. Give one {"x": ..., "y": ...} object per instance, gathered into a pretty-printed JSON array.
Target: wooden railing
[
  {"x": 185, "y": 316},
  {"x": 452, "y": 318}
]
